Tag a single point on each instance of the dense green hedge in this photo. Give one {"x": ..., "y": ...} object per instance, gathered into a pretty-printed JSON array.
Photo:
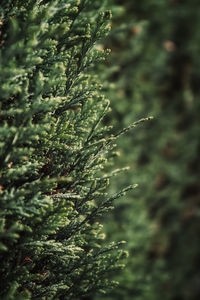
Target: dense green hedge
[
  {"x": 56, "y": 156},
  {"x": 54, "y": 151},
  {"x": 156, "y": 46}
]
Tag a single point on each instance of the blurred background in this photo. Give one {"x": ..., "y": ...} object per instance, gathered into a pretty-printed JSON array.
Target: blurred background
[{"x": 154, "y": 69}]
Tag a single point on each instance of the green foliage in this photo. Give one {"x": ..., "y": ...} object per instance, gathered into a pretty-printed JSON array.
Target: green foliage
[
  {"x": 53, "y": 151},
  {"x": 157, "y": 73}
]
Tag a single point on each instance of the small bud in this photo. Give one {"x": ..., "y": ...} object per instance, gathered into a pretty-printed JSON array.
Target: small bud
[
  {"x": 136, "y": 29},
  {"x": 169, "y": 46},
  {"x": 27, "y": 259}
]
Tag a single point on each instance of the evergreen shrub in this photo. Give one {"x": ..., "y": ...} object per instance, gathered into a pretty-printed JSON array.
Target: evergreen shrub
[{"x": 54, "y": 151}]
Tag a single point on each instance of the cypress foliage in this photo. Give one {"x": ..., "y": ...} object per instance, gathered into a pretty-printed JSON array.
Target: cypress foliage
[
  {"x": 53, "y": 151},
  {"x": 158, "y": 73}
]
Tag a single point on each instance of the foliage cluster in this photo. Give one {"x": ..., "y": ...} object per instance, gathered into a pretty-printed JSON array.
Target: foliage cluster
[{"x": 54, "y": 151}]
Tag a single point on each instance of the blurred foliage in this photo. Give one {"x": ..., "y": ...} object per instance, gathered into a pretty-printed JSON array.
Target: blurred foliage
[{"x": 154, "y": 69}]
